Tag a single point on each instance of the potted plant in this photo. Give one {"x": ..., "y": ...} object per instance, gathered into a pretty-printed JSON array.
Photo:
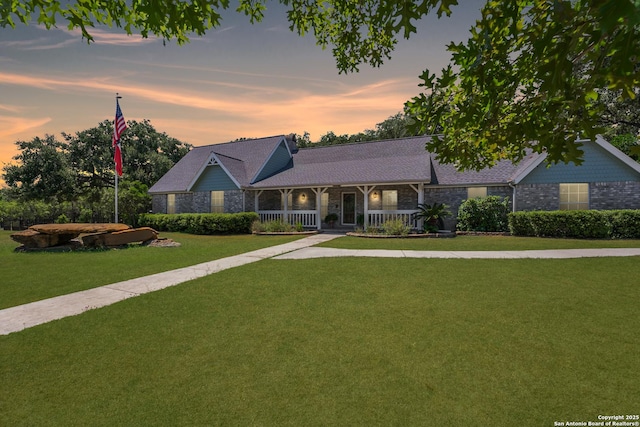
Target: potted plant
[
  {"x": 433, "y": 216},
  {"x": 331, "y": 219}
]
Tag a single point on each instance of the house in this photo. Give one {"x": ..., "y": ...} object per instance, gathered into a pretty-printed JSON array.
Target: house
[{"x": 370, "y": 182}]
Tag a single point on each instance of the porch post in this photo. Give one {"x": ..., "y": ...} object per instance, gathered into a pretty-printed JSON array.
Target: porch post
[
  {"x": 256, "y": 196},
  {"x": 420, "y": 190},
  {"x": 365, "y": 191},
  {"x": 365, "y": 207},
  {"x": 284, "y": 194},
  {"x": 319, "y": 192}
]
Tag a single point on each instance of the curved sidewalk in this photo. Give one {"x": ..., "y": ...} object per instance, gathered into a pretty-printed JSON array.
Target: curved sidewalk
[{"x": 24, "y": 316}]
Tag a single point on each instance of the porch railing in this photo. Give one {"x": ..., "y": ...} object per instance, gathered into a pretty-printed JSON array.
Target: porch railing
[
  {"x": 379, "y": 217},
  {"x": 306, "y": 218}
]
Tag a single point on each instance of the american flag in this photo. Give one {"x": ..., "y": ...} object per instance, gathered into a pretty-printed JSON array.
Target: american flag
[{"x": 119, "y": 125}]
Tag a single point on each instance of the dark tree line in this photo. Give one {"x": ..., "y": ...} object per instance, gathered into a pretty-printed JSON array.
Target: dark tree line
[{"x": 73, "y": 179}]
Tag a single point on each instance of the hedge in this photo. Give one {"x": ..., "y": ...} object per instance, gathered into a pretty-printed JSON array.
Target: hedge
[
  {"x": 484, "y": 214},
  {"x": 205, "y": 223},
  {"x": 587, "y": 224}
]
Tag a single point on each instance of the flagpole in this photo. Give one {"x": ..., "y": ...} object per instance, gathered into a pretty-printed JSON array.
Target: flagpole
[{"x": 116, "y": 172}]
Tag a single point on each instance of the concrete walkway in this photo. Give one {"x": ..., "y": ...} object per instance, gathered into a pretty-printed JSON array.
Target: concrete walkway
[
  {"x": 316, "y": 252},
  {"x": 25, "y": 316}
]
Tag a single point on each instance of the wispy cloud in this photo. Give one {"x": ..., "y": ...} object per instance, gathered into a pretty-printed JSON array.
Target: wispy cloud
[
  {"x": 210, "y": 70},
  {"x": 257, "y": 101},
  {"x": 40, "y": 43},
  {"x": 102, "y": 37},
  {"x": 15, "y": 125},
  {"x": 9, "y": 108}
]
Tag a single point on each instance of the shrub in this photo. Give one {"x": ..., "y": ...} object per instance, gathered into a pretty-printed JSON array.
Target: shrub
[
  {"x": 433, "y": 216},
  {"x": 395, "y": 227},
  {"x": 484, "y": 214},
  {"x": 625, "y": 224},
  {"x": 588, "y": 224},
  {"x": 214, "y": 223},
  {"x": 62, "y": 219},
  {"x": 277, "y": 226}
]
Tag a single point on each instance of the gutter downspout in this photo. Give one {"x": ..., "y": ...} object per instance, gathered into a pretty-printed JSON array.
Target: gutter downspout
[{"x": 513, "y": 207}]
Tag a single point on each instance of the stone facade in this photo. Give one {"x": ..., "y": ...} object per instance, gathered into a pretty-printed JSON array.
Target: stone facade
[
  {"x": 614, "y": 195},
  {"x": 602, "y": 195},
  {"x": 541, "y": 197},
  {"x": 198, "y": 202}
]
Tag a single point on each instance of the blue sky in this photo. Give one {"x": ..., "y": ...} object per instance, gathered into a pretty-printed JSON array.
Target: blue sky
[{"x": 237, "y": 81}]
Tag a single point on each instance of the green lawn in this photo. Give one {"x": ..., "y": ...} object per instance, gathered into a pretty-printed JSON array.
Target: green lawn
[
  {"x": 27, "y": 277},
  {"x": 350, "y": 341},
  {"x": 476, "y": 243}
]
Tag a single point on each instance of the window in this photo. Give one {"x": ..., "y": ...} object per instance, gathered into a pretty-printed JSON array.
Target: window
[
  {"x": 217, "y": 201},
  {"x": 574, "y": 196},
  {"x": 473, "y": 192},
  {"x": 171, "y": 203},
  {"x": 389, "y": 200},
  {"x": 324, "y": 205}
]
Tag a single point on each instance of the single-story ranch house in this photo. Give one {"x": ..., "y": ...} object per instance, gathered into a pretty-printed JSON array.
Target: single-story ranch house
[{"x": 370, "y": 182}]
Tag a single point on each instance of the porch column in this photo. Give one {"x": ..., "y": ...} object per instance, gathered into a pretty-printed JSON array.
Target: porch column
[
  {"x": 256, "y": 196},
  {"x": 319, "y": 192},
  {"x": 365, "y": 191},
  {"x": 420, "y": 190},
  {"x": 284, "y": 194}
]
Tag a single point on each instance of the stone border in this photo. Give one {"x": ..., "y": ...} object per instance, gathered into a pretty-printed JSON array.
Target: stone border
[{"x": 446, "y": 235}]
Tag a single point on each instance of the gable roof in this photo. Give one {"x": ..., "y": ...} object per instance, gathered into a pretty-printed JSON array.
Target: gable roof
[
  {"x": 275, "y": 162},
  {"x": 243, "y": 160},
  {"x": 528, "y": 168}
]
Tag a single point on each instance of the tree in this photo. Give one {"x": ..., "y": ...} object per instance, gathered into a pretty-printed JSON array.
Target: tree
[
  {"x": 628, "y": 144},
  {"x": 43, "y": 171},
  {"x": 47, "y": 169},
  {"x": 396, "y": 126},
  {"x": 619, "y": 116},
  {"x": 134, "y": 200},
  {"x": 147, "y": 153},
  {"x": 527, "y": 78}
]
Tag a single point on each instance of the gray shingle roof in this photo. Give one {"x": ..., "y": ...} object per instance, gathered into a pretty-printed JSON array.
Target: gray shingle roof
[
  {"x": 377, "y": 162},
  {"x": 399, "y": 160},
  {"x": 502, "y": 173},
  {"x": 243, "y": 159}
]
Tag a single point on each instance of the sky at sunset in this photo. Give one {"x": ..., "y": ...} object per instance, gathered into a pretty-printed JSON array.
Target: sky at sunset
[{"x": 239, "y": 80}]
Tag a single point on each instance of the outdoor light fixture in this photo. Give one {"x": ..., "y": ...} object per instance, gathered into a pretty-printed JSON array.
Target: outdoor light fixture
[
  {"x": 303, "y": 197},
  {"x": 374, "y": 195}
]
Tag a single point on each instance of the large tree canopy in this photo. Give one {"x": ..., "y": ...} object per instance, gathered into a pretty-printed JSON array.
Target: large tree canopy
[
  {"x": 529, "y": 77},
  {"x": 82, "y": 165}
]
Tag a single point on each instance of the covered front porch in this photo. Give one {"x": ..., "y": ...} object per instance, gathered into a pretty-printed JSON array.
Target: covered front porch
[{"x": 345, "y": 207}]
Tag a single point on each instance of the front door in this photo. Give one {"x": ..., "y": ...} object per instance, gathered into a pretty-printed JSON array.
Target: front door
[{"x": 348, "y": 208}]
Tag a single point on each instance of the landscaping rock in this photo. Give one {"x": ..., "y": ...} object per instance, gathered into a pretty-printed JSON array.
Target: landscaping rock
[
  {"x": 33, "y": 239},
  {"x": 120, "y": 238},
  {"x": 79, "y": 228},
  {"x": 71, "y": 245},
  {"x": 162, "y": 243},
  {"x": 60, "y": 236}
]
